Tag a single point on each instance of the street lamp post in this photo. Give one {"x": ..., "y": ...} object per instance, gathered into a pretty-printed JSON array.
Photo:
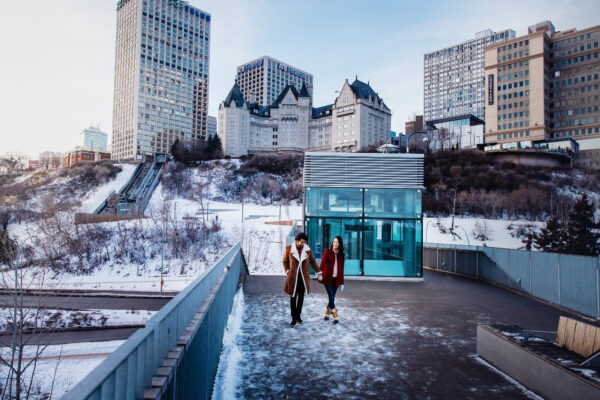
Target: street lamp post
[
  {"x": 410, "y": 135},
  {"x": 426, "y": 230},
  {"x": 162, "y": 254},
  {"x": 467, "y": 236}
]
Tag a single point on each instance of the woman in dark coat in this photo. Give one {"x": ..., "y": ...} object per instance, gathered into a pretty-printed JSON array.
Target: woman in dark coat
[
  {"x": 332, "y": 269},
  {"x": 296, "y": 263}
]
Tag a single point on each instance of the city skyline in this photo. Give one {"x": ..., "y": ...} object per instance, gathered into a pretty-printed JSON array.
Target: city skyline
[{"x": 61, "y": 76}]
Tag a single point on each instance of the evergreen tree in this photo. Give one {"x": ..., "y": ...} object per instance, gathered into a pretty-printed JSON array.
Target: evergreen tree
[
  {"x": 550, "y": 238},
  {"x": 582, "y": 234},
  {"x": 211, "y": 145},
  {"x": 218, "y": 147}
]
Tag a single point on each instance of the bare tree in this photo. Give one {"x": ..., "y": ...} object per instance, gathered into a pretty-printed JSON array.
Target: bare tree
[
  {"x": 26, "y": 322},
  {"x": 12, "y": 161},
  {"x": 482, "y": 231}
]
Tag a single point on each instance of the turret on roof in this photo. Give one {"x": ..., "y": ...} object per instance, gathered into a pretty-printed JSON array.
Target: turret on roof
[
  {"x": 364, "y": 91},
  {"x": 235, "y": 94},
  {"x": 304, "y": 91}
]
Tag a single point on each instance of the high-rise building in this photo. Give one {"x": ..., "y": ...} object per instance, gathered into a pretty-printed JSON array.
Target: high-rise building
[
  {"x": 93, "y": 137},
  {"x": 211, "y": 125},
  {"x": 161, "y": 76},
  {"x": 358, "y": 118},
  {"x": 454, "y": 77},
  {"x": 263, "y": 79},
  {"x": 543, "y": 90}
]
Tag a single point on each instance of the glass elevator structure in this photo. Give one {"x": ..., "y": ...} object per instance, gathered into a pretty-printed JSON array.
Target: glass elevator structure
[{"x": 373, "y": 201}]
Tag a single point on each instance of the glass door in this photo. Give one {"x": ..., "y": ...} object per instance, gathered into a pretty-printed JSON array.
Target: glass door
[{"x": 321, "y": 232}]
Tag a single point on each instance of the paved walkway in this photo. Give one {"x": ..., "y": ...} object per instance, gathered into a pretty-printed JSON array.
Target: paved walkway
[{"x": 395, "y": 340}]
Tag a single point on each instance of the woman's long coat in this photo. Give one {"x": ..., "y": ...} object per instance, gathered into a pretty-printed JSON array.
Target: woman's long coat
[
  {"x": 327, "y": 264},
  {"x": 298, "y": 266}
]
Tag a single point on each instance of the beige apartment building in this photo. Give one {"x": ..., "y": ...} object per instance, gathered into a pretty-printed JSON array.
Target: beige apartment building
[{"x": 542, "y": 92}]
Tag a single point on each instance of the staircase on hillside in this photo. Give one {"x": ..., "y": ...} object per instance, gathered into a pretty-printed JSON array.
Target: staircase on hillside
[{"x": 134, "y": 196}]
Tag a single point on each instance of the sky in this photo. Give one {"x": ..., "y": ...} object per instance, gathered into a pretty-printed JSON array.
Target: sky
[{"x": 57, "y": 69}]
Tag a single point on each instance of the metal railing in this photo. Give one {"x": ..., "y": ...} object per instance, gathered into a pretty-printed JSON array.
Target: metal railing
[
  {"x": 570, "y": 281},
  {"x": 129, "y": 369}
]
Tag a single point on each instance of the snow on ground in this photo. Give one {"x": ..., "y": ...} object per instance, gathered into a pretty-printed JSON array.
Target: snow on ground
[
  {"x": 522, "y": 388},
  {"x": 228, "y": 377},
  {"x": 263, "y": 244},
  {"x": 57, "y": 319},
  {"x": 70, "y": 362},
  {"x": 382, "y": 348},
  {"x": 464, "y": 227},
  {"x": 93, "y": 199}
]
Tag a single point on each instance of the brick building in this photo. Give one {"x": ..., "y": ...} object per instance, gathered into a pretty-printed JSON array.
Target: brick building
[{"x": 81, "y": 154}]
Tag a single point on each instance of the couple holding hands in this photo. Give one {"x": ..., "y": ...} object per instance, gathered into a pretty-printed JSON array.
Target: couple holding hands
[{"x": 297, "y": 261}]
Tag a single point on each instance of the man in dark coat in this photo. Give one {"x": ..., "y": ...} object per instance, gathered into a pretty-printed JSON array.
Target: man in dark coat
[{"x": 296, "y": 262}]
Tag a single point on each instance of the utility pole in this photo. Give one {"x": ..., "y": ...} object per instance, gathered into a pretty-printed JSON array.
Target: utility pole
[
  {"x": 162, "y": 254},
  {"x": 175, "y": 222}
]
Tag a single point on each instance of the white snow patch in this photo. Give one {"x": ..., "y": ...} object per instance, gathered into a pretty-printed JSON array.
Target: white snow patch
[
  {"x": 522, "y": 388},
  {"x": 227, "y": 378},
  {"x": 90, "y": 202},
  {"x": 69, "y": 371},
  {"x": 501, "y": 236},
  {"x": 71, "y": 319}
]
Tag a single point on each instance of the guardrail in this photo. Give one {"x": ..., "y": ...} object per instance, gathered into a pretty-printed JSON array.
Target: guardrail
[
  {"x": 130, "y": 368},
  {"x": 145, "y": 198},
  {"x": 570, "y": 281}
]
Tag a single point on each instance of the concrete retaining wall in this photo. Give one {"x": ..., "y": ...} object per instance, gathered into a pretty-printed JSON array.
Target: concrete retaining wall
[{"x": 537, "y": 374}]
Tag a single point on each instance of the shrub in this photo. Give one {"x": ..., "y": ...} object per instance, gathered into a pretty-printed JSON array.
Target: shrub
[
  {"x": 91, "y": 174},
  {"x": 288, "y": 164},
  {"x": 177, "y": 179}
]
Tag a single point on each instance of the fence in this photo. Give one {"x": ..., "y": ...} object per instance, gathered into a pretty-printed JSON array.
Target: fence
[
  {"x": 130, "y": 368},
  {"x": 568, "y": 280},
  {"x": 81, "y": 218}
]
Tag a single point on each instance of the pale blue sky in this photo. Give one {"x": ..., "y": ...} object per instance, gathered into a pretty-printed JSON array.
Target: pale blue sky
[{"x": 58, "y": 56}]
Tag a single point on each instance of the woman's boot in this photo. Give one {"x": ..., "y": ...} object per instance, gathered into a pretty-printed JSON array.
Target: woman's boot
[
  {"x": 335, "y": 315},
  {"x": 327, "y": 314}
]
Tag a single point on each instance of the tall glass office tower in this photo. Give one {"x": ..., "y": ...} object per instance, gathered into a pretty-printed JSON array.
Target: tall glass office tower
[{"x": 161, "y": 76}]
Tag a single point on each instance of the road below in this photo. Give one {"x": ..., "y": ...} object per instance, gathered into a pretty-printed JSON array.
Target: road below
[
  {"x": 88, "y": 302},
  {"x": 88, "y": 335}
]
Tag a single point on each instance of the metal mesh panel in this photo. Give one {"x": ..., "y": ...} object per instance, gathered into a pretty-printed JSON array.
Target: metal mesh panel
[
  {"x": 578, "y": 283},
  {"x": 395, "y": 171}
]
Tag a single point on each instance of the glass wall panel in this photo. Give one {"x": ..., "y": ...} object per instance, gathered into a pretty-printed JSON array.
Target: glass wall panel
[
  {"x": 321, "y": 232},
  {"x": 392, "y": 248},
  {"x": 334, "y": 202},
  {"x": 393, "y": 203}
]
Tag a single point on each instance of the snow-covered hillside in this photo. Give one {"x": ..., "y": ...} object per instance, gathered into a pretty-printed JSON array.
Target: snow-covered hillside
[
  {"x": 131, "y": 254},
  {"x": 94, "y": 198}
]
